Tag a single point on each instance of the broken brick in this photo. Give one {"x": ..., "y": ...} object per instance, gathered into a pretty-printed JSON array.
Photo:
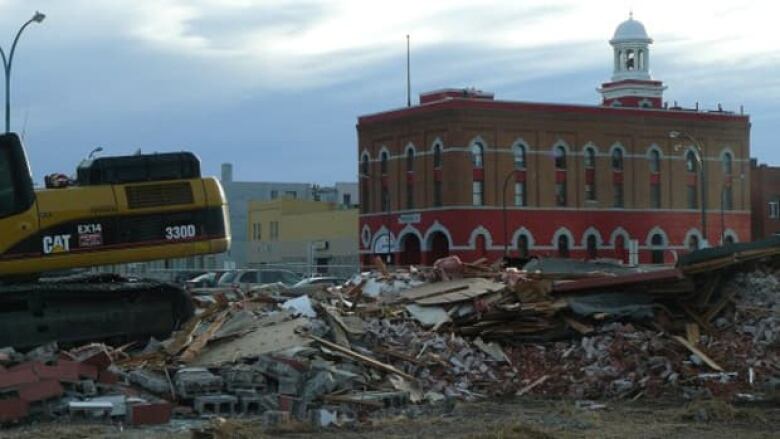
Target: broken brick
[
  {"x": 40, "y": 391},
  {"x": 107, "y": 377},
  {"x": 150, "y": 413},
  {"x": 13, "y": 409},
  {"x": 16, "y": 378}
]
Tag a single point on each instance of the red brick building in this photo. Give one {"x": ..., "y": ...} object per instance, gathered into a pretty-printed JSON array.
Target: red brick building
[
  {"x": 463, "y": 173},
  {"x": 765, "y": 199}
]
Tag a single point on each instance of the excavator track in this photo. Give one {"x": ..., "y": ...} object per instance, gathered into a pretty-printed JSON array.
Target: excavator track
[{"x": 87, "y": 308}]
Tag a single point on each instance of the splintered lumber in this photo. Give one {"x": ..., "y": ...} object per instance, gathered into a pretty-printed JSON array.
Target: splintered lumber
[
  {"x": 531, "y": 386},
  {"x": 699, "y": 353},
  {"x": 477, "y": 287},
  {"x": 623, "y": 280},
  {"x": 360, "y": 357},
  {"x": 200, "y": 341}
]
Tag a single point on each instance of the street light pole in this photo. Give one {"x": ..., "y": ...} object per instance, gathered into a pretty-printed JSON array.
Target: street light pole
[
  {"x": 8, "y": 61},
  {"x": 699, "y": 155}
]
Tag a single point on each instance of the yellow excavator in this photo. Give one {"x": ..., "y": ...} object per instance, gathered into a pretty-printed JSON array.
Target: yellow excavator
[{"x": 117, "y": 210}]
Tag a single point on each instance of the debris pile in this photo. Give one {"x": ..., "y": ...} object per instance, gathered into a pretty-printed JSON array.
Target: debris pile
[{"x": 458, "y": 331}]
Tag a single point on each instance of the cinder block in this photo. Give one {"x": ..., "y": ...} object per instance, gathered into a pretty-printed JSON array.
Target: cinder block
[
  {"x": 250, "y": 404},
  {"x": 13, "y": 409},
  {"x": 195, "y": 381},
  {"x": 152, "y": 413},
  {"x": 273, "y": 418},
  {"x": 215, "y": 404}
]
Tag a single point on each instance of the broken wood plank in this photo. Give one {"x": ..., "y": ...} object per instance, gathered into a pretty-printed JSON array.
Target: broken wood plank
[
  {"x": 578, "y": 326},
  {"x": 531, "y": 386},
  {"x": 380, "y": 265},
  {"x": 360, "y": 357},
  {"x": 478, "y": 287},
  {"x": 200, "y": 341},
  {"x": 699, "y": 353},
  {"x": 692, "y": 333}
]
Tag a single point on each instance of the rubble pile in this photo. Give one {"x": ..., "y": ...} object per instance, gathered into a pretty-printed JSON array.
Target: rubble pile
[{"x": 457, "y": 331}]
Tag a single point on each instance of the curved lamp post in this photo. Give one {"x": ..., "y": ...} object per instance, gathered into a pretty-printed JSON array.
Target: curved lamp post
[
  {"x": 698, "y": 154},
  {"x": 7, "y": 62}
]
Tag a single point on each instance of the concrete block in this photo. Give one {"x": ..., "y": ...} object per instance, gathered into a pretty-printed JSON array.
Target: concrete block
[
  {"x": 196, "y": 381},
  {"x": 93, "y": 409},
  {"x": 243, "y": 377},
  {"x": 215, "y": 404},
  {"x": 13, "y": 410},
  {"x": 250, "y": 405},
  {"x": 150, "y": 413},
  {"x": 272, "y": 418},
  {"x": 119, "y": 403},
  {"x": 323, "y": 417},
  {"x": 150, "y": 381},
  {"x": 86, "y": 387}
]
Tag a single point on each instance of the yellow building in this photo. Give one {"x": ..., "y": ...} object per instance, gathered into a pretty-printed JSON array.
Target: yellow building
[{"x": 304, "y": 236}]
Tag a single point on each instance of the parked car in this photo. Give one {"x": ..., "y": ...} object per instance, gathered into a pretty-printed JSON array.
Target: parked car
[
  {"x": 319, "y": 280},
  {"x": 205, "y": 280},
  {"x": 250, "y": 277}
]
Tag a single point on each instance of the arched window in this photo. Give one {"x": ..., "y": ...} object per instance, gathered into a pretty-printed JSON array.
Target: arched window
[
  {"x": 563, "y": 246},
  {"x": 590, "y": 158},
  {"x": 383, "y": 163},
  {"x": 477, "y": 155},
  {"x": 592, "y": 247},
  {"x": 364, "y": 166},
  {"x": 630, "y": 60},
  {"x": 410, "y": 179},
  {"x": 560, "y": 157},
  {"x": 617, "y": 159},
  {"x": 477, "y": 184},
  {"x": 657, "y": 252},
  {"x": 655, "y": 161},
  {"x": 522, "y": 246},
  {"x": 364, "y": 171},
  {"x": 727, "y": 163},
  {"x": 437, "y": 156},
  {"x": 693, "y": 243},
  {"x": 590, "y": 174},
  {"x": 728, "y": 240},
  {"x": 690, "y": 161},
  {"x": 519, "y": 152}
]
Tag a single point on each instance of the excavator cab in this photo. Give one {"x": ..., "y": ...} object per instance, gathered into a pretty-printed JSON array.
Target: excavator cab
[{"x": 16, "y": 187}]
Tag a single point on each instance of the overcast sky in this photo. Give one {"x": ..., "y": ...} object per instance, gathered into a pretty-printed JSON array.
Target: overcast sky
[{"x": 276, "y": 86}]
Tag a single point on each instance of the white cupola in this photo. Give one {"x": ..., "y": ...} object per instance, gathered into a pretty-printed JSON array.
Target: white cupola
[
  {"x": 631, "y": 84},
  {"x": 631, "y": 47}
]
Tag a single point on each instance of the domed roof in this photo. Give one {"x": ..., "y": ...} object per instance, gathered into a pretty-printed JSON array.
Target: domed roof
[{"x": 631, "y": 30}]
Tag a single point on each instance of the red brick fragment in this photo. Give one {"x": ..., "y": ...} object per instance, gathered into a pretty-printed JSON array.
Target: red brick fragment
[
  {"x": 16, "y": 378},
  {"x": 41, "y": 390},
  {"x": 13, "y": 409},
  {"x": 88, "y": 371},
  {"x": 150, "y": 413},
  {"x": 99, "y": 359},
  {"x": 107, "y": 377}
]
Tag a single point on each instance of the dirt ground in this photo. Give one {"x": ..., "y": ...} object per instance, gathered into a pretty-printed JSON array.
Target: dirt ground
[{"x": 517, "y": 419}]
